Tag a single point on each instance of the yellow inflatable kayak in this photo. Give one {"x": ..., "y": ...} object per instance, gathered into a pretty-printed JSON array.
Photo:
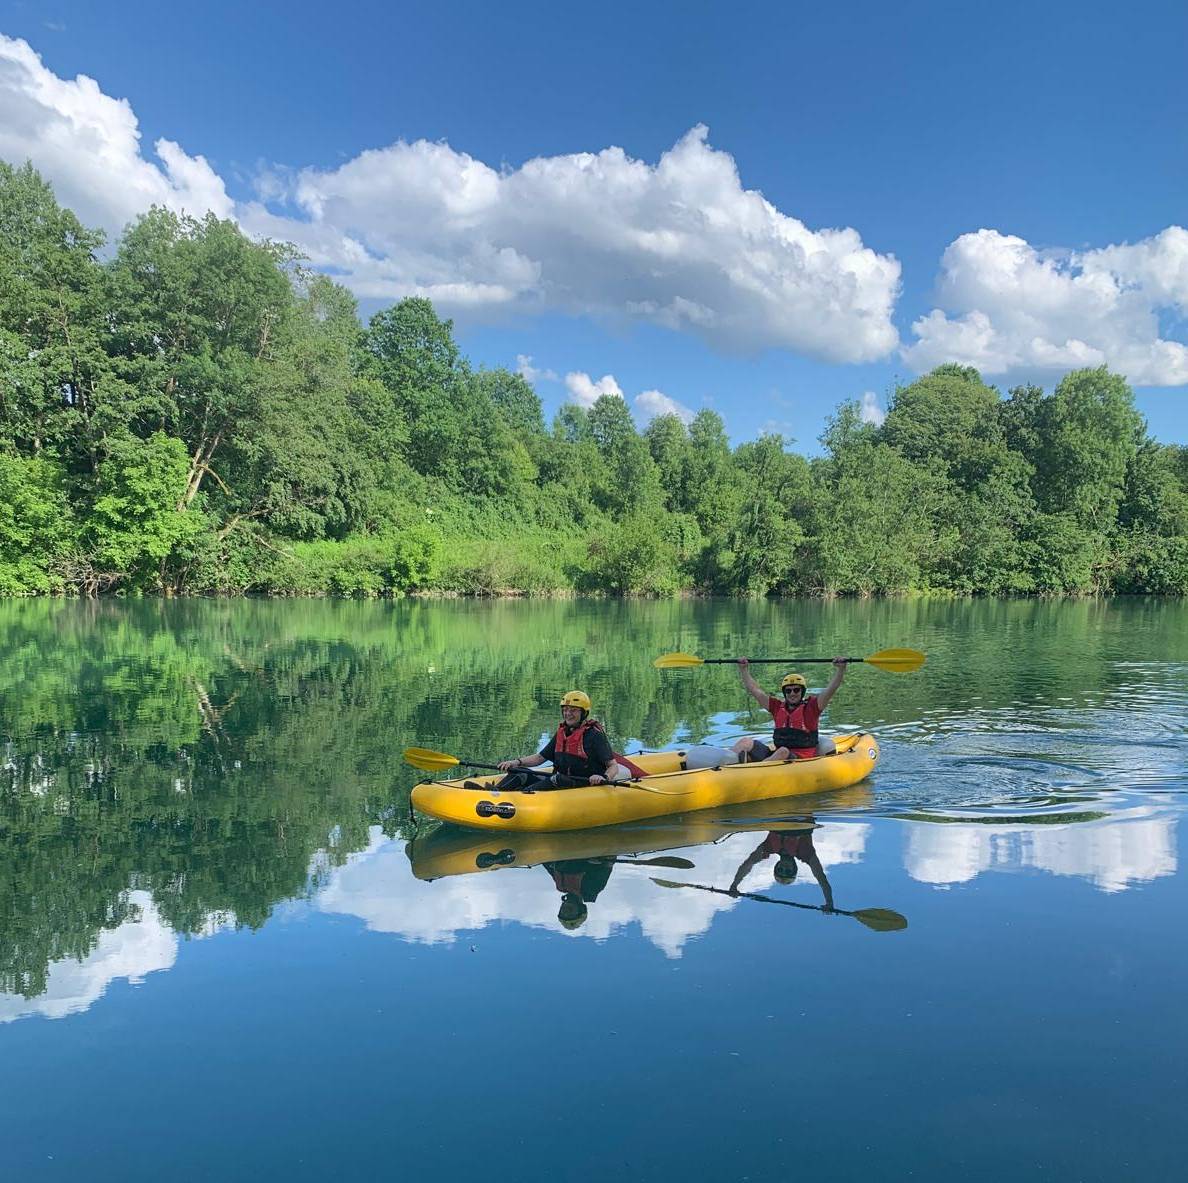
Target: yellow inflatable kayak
[{"x": 669, "y": 787}]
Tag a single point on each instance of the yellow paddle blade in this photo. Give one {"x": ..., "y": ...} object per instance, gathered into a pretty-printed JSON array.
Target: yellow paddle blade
[
  {"x": 897, "y": 661},
  {"x": 880, "y": 919},
  {"x": 677, "y": 661},
  {"x": 429, "y": 760}
]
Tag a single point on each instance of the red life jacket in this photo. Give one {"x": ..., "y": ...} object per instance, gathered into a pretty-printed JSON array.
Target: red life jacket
[
  {"x": 785, "y": 844},
  {"x": 571, "y": 758},
  {"x": 567, "y": 881},
  {"x": 792, "y": 730},
  {"x": 569, "y": 749}
]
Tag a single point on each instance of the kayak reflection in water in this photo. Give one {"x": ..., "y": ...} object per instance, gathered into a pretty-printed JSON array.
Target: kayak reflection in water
[
  {"x": 580, "y": 882},
  {"x": 579, "y": 752},
  {"x": 790, "y": 847}
]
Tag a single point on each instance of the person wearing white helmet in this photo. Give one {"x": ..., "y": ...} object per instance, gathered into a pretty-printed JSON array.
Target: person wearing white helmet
[
  {"x": 579, "y": 752},
  {"x": 795, "y": 715}
]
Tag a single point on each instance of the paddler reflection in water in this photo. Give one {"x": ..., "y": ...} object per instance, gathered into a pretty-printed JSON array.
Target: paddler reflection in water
[
  {"x": 790, "y": 846},
  {"x": 580, "y": 882},
  {"x": 579, "y": 752},
  {"x": 795, "y": 717}
]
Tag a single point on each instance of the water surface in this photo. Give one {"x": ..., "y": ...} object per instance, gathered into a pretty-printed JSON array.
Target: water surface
[{"x": 226, "y": 951}]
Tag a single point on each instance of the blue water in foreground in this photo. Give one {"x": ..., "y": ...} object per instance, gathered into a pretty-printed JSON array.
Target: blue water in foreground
[{"x": 401, "y": 1013}]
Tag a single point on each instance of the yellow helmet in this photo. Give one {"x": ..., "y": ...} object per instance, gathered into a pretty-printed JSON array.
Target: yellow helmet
[
  {"x": 793, "y": 680},
  {"x": 573, "y": 911},
  {"x": 576, "y": 698}
]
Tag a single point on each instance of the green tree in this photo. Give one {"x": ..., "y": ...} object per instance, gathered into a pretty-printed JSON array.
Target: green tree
[
  {"x": 668, "y": 445},
  {"x": 418, "y": 361},
  {"x": 950, "y": 416},
  {"x": 759, "y": 551},
  {"x": 59, "y": 388},
  {"x": 514, "y": 399},
  {"x": 880, "y": 520},
  {"x": 312, "y": 464},
  {"x": 626, "y": 480},
  {"x": 36, "y": 524},
  {"x": 634, "y": 557},
  {"x": 1089, "y": 431},
  {"x": 712, "y": 486},
  {"x": 198, "y": 307},
  {"x": 135, "y": 524}
]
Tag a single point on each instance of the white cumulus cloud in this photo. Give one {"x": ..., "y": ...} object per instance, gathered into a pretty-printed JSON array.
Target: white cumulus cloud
[
  {"x": 651, "y": 403},
  {"x": 870, "y": 411},
  {"x": 88, "y": 145},
  {"x": 379, "y": 887},
  {"x": 679, "y": 242},
  {"x": 585, "y": 391},
  {"x": 1131, "y": 847},
  {"x": 530, "y": 373},
  {"x": 1012, "y": 310},
  {"x": 139, "y": 946}
]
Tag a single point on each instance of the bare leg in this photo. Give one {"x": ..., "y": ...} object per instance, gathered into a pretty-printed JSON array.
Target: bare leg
[
  {"x": 742, "y": 748},
  {"x": 778, "y": 755}
]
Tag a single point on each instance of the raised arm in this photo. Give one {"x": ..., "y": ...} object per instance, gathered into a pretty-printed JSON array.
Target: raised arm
[
  {"x": 814, "y": 865},
  {"x": 839, "y": 673},
  {"x": 750, "y": 685},
  {"x": 747, "y": 866}
]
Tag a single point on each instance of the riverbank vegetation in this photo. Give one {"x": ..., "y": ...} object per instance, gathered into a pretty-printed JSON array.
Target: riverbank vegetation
[{"x": 194, "y": 412}]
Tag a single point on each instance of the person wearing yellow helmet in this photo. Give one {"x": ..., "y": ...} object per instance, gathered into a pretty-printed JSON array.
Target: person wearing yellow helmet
[
  {"x": 579, "y": 752},
  {"x": 580, "y": 882},
  {"x": 795, "y": 715}
]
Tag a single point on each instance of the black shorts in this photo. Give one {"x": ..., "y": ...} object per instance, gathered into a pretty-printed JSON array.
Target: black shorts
[
  {"x": 528, "y": 778},
  {"x": 760, "y": 751}
]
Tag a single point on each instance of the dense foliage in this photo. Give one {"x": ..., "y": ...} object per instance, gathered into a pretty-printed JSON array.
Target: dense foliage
[{"x": 197, "y": 413}]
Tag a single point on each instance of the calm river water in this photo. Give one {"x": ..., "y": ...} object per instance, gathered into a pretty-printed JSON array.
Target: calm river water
[{"x": 221, "y": 956}]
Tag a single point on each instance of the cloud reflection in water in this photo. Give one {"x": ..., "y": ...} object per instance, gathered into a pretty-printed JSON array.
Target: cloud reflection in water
[{"x": 378, "y": 886}]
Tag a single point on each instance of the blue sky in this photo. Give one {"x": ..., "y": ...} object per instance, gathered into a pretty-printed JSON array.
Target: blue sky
[{"x": 1002, "y": 187}]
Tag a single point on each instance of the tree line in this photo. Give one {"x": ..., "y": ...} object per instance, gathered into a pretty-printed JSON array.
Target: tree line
[{"x": 199, "y": 413}]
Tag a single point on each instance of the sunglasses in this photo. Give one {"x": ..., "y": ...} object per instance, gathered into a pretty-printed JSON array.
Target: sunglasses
[{"x": 790, "y": 689}]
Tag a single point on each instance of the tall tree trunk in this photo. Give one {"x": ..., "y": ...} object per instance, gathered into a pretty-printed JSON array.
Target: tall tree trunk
[{"x": 203, "y": 455}]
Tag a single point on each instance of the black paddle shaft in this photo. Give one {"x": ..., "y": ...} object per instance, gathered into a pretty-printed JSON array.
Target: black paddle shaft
[
  {"x": 540, "y": 776},
  {"x": 775, "y": 660}
]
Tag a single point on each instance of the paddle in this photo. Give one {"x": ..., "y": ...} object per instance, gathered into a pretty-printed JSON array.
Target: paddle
[
  {"x": 486, "y": 861},
  {"x": 879, "y": 919},
  {"x": 894, "y": 661},
  {"x": 664, "y": 860},
  {"x": 430, "y": 761}
]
